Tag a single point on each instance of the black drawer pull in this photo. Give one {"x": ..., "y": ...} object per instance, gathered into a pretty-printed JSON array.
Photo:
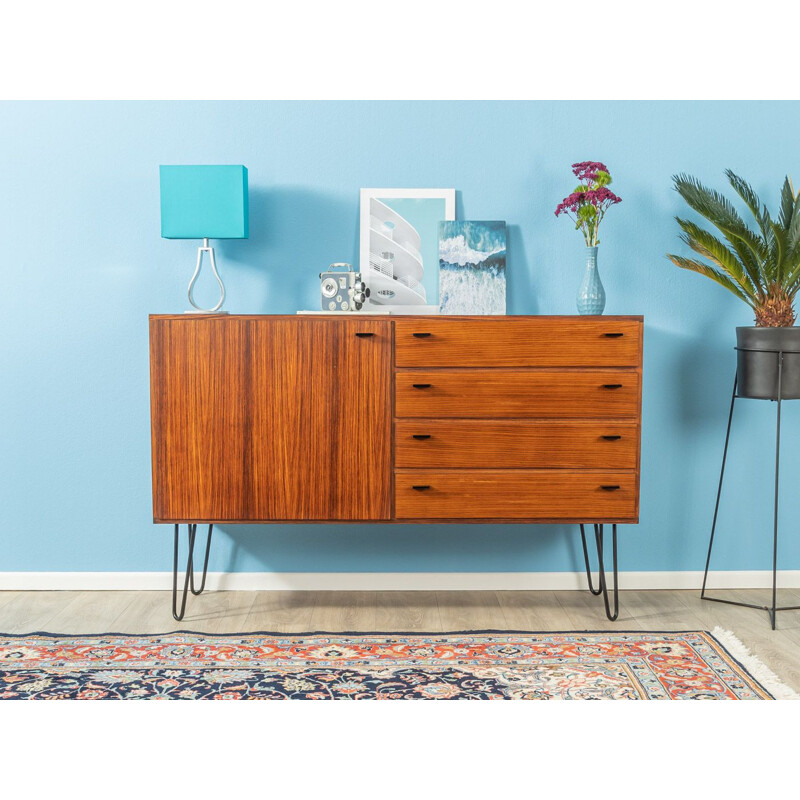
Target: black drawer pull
[
  {"x": 421, "y": 335},
  {"x": 611, "y": 438},
  {"x": 421, "y": 385},
  {"x": 364, "y": 335},
  {"x": 421, "y": 488},
  {"x": 612, "y": 385},
  {"x": 420, "y": 436},
  {"x": 609, "y": 488},
  {"x": 613, "y": 335}
]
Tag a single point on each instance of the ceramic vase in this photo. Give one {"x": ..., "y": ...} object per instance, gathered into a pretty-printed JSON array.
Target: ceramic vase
[{"x": 591, "y": 295}]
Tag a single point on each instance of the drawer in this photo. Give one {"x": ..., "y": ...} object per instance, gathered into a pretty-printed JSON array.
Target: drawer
[
  {"x": 515, "y": 443},
  {"x": 516, "y": 393},
  {"x": 516, "y": 494},
  {"x": 518, "y": 342}
]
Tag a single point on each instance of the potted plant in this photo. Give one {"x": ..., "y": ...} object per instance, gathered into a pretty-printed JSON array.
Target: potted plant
[
  {"x": 586, "y": 206},
  {"x": 761, "y": 266}
]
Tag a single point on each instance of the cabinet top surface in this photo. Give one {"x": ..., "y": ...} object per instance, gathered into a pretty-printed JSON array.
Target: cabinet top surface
[{"x": 426, "y": 317}]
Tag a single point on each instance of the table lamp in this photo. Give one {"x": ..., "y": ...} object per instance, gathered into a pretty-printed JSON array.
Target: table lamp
[{"x": 204, "y": 202}]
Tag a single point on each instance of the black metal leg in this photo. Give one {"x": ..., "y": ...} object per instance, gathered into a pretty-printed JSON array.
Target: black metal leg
[
  {"x": 601, "y": 569},
  {"x": 774, "y": 608},
  {"x": 586, "y": 560},
  {"x": 178, "y": 615},
  {"x": 719, "y": 487},
  {"x": 777, "y": 476},
  {"x": 205, "y": 564},
  {"x": 188, "y": 581}
]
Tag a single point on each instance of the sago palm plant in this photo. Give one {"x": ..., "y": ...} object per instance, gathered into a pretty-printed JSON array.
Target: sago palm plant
[{"x": 760, "y": 265}]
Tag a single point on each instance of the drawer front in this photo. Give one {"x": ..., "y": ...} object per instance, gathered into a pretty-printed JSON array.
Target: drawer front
[
  {"x": 516, "y": 393},
  {"x": 516, "y": 494},
  {"x": 515, "y": 443},
  {"x": 518, "y": 342}
]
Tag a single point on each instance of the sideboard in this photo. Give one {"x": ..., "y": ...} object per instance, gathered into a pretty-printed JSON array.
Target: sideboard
[{"x": 413, "y": 419}]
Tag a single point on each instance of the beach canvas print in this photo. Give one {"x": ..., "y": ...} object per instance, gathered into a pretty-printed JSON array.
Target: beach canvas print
[{"x": 472, "y": 267}]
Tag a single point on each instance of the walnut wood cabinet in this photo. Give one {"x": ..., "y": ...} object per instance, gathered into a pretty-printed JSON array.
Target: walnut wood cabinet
[
  {"x": 326, "y": 418},
  {"x": 396, "y": 419}
]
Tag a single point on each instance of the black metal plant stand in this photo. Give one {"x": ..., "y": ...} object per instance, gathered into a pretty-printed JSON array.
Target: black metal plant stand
[
  {"x": 601, "y": 570},
  {"x": 774, "y": 608},
  {"x": 188, "y": 581}
]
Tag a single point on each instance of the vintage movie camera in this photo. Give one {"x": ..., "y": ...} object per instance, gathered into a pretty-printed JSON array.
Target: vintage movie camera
[{"x": 342, "y": 289}]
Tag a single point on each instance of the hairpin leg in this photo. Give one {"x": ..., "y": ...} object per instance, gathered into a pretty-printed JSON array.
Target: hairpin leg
[
  {"x": 594, "y": 591},
  {"x": 188, "y": 581},
  {"x": 602, "y": 583},
  {"x": 601, "y": 562}
]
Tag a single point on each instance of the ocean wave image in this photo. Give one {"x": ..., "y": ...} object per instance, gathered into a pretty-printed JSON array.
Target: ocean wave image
[
  {"x": 467, "y": 290},
  {"x": 472, "y": 267}
]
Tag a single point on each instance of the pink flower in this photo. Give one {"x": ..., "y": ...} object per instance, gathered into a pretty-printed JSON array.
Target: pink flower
[
  {"x": 588, "y": 203},
  {"x": 587, "y": 170}
]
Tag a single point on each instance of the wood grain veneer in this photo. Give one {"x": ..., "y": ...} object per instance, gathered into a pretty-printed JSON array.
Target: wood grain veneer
[
  {"x": 518, "y": 342},
  {"x": 269, "y": 418},
  {"x": 285, "y": 418},
  {"x": 515, "y": 494},
  {"x": 516, "y": 393},
  {"x": 516, "y": 443}
]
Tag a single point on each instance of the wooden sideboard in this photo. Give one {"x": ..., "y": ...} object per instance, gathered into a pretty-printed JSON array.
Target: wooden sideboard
[{"x": 325, "y": 418}]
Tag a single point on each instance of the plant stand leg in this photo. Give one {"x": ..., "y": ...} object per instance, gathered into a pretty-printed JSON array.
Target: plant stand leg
[
  {"x": 719, "y": 486},
  {"x": 188, "y": 580},
  {"x": 773, "y": 609}
]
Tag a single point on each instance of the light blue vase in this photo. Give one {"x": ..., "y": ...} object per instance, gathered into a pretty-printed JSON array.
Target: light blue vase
[{"x": 591, "y": 295}]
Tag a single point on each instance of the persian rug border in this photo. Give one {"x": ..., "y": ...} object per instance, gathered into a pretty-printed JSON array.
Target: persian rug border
[
  {"x": 754, "y": 681},
  {"x": 464, "y": 632}
]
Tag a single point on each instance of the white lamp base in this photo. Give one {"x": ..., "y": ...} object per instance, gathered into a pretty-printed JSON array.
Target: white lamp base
[{"x": 216, "y": 309}]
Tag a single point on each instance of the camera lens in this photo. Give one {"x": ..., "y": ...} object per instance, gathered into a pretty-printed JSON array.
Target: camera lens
[{"x": 329, "y": 287}]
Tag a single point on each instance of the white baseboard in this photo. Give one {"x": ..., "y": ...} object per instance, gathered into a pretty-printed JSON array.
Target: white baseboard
[{"x": 390, "y": 581}]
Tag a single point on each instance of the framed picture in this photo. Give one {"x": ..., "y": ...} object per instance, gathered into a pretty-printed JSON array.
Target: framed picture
[
  {"x": 472, "y": 267},
  {"x": 399, "y": 253}
]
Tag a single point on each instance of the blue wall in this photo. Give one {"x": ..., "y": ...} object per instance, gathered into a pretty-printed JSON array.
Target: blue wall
[{"x": 83, "y": 265}]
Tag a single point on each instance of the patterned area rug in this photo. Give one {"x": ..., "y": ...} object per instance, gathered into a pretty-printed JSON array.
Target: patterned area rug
[{"x": 321, "y": 666}]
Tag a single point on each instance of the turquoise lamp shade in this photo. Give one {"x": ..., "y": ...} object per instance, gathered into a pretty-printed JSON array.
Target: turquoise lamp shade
[{"x": 204, "y": 202}]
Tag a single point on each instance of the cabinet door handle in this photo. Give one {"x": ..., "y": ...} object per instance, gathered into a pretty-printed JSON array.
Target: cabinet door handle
[
  {"x": 420, "y": 435},
  {"x": 613, "y": 335},
  {"x": 421, "y": 335},
  {"x": 362, "y": 335},
  {"x": 421, "y": 487},
  {"x": 611, "y": 438},
  {"x": 421, "y": 385},
  {"x": 612, "y": 385},
  {"x": 609, "y": 488}
]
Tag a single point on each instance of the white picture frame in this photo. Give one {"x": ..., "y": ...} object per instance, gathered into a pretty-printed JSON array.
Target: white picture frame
[{"x": 399, "y": 247}]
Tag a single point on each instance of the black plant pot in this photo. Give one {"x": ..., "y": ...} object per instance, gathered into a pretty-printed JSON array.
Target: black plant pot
[{"x": 757, "y": 362}]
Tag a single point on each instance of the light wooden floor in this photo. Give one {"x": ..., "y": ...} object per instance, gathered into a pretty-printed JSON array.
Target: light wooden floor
[{"x": 285, "y": 612}]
